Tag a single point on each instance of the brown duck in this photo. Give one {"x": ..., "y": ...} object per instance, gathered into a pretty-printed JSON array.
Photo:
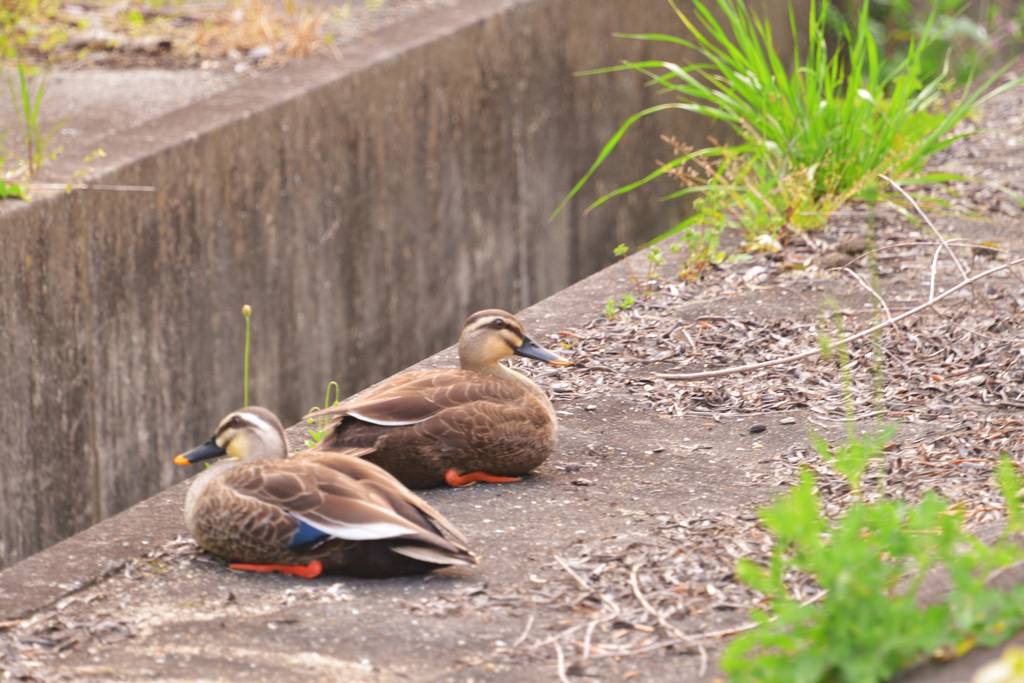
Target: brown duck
[
  {"x": 484, "y": 422},
  {"x": 262, "y": 511}
]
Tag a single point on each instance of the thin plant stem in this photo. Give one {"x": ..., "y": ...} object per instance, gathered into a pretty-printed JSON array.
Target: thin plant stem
[{"x": 247, "y": 314}]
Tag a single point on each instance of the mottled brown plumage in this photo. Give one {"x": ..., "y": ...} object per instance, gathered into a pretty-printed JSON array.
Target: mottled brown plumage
[
  {"x": 259, "y": 507},
  {"x": 424, "y": 427}
]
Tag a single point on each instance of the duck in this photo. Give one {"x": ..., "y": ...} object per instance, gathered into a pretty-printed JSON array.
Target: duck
[
  {"x": 482, "y": 422},
  {"x": 263, "y": 511}
]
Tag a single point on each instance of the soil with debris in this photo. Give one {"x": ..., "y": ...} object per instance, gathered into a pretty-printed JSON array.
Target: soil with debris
[
  {"x": 233, "y": 35},
  {"x": 615, "y": 560}
]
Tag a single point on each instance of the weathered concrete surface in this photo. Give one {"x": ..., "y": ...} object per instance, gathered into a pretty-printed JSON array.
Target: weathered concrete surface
[
  {"x": 418, "y": 628},
  {"x": 199, "y": 621},
  {"x": 363, "y": 206},
  {"x": 89, "y": 556}
]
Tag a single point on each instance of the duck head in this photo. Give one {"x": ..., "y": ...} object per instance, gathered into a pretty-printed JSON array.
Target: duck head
[
  {"x": 252, "y": 433},
  {"x": 488, "y": 336}
]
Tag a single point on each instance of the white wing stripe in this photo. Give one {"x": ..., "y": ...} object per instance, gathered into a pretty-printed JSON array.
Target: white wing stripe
[
  {"x": 387, "y": 423},
  {"x": 358, "y": 532}
]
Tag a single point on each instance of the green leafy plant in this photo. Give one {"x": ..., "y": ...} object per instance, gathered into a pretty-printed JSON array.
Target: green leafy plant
[
  {"x": 8, "y": 187},
  {"x": 642, "y": 285},
  {"x": 870, "y": 564},
  {"x": 318, "y": 426},
  {"x": 869, "y": 619},
  {"x": 654, "y": 259},
  {"x": 611, "y": 309},
  {"x": 699, "y": 246},
  {"x": 809, "y": 138},
  {"x": 616, "y": 306}
]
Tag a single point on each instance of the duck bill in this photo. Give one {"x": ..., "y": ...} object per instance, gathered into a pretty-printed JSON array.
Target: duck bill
[
  {"x": 530, "y": 349},
  {"x": 207, "y": 451}
]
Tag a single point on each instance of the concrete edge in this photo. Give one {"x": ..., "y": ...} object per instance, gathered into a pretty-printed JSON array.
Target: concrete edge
[
  {"x": 88, "y": 557},
  {"x": 113, "y": 292}
]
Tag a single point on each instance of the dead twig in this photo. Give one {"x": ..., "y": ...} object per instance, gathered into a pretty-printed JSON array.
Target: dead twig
[
  {"x": 526, "y": 631},
  {"x": 945, "y": 244},
  {"x": 860, "y": 281},
  {"x": 590, "y": 634},
  {"x": 551, "y": 639},
  {"x": 635, "y": 585},
  {"x": 934, "y": 272},
  {"x": 572, "y": 572},
  {"x": 561, "y": 663}
]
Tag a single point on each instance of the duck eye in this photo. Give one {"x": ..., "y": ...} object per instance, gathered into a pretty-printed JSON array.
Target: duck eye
[
  {"x": 235, "y": 421},
  {"x": 499, "y": 323}
]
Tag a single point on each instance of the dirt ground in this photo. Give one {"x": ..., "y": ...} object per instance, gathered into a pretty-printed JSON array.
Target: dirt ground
[
  {"x": 220, "y": 35},
  {"x": 614, "y": 560},
  {"x": 104, "y": 67}
]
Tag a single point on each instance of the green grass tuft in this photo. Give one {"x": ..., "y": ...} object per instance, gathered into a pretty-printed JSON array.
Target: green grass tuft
[{"x": 812, "y": 132}]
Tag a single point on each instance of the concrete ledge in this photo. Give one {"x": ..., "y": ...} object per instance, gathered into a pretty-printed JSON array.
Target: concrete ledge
[
  {"x": 363, "y": 206},
  {"x": 93, "y": 554},
  {"x": 90, "y": 556}
]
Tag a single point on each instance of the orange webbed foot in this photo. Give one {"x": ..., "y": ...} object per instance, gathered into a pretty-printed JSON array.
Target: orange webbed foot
[
  {"x": 454, "y": 479},
  {"x": 307, "y": 571}
]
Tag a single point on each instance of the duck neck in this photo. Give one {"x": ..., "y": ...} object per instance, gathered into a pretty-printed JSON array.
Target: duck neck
[
  {"x": 206, "y": 477},
  {"x": 506, "y": 373}
]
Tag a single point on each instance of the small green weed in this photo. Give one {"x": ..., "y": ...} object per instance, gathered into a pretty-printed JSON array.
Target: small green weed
[
  {"x": 8, "y": 187},
  {"x": 318, "y": 426},
  {"x": 643, "y": 286},
  {"x": 699, "y": 246},
  {"x": 870, "y": 564},
  {"x": 614, "y": 307},
  {"x": 27, "y": 100}
]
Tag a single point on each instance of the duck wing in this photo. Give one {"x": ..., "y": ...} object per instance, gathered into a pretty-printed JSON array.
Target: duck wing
[
  {"x": 326, "y": 501},
  {"x": 413, "y": 399},
  {"x": 417, "y": 396},
  {"x": 394, "y": 494}
]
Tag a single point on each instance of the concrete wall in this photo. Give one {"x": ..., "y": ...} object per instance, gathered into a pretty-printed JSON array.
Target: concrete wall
[{"x": 363, "y": 206}]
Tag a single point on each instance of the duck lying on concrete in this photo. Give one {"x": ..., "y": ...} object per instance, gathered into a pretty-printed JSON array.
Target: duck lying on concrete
[
  {"x": 324, "y": 513},
  {"x": 484, "y": 422}
]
